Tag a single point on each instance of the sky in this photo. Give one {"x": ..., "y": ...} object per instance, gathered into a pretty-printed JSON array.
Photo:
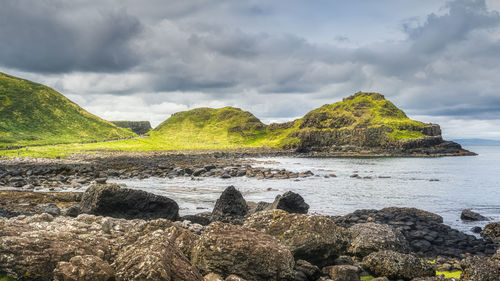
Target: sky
[{"x": 439, "y": 61}]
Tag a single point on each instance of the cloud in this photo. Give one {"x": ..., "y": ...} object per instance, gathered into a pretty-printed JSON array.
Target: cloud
[
  {"x": 49, "y": 37},
  {"x": 274, "y": 60}
]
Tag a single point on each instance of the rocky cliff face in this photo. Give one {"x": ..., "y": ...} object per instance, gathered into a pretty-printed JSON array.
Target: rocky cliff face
[
  {"x": 138, "y": 127},
  {"x": 367, "y": 123}
]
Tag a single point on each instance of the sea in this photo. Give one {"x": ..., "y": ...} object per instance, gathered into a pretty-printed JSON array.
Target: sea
[{"x": 442, "y": 185}]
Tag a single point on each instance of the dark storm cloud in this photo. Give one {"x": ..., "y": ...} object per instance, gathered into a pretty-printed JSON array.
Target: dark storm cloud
[
  {"x": 43, "y": 36},
  {"x": 259, "y": 54}
]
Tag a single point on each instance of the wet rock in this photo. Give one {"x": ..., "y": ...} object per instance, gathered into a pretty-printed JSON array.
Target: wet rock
[
  {"x": 113, "y": 201},
  {"x": 84, "y": 268},
  {"x": 310, "y": 271},
  {"x": 396, "y": 265},
  {"x": 153, "y": 257},
  {"x": 313, "y": 238},
  {"x": 480, "y": 269},
  {"x": 201, "y": 219},
  {"x": 230, "y": 207},
  {"x": 225, "y": 176},
  {"x": 342, "y": 272},
  {"x": 425, "y": 231},
  {"x": 492, "y": 231},
  {"x": 476, "y": 229},
  {"x": 50, "y": 209},
  {"x": 372, "y": 237},
  {"x": 290, "y": 202},
  {"x": 100, "y": 180},
  {"x": 198, "y": 172},
  {"x": 230, "y": 249},
  {"x": 72, "y": 211},
  {"x": 468, "y": 215}
]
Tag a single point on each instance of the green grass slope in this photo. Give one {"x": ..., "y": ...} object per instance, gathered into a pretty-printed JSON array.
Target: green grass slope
[
  {"x": 340, "y": 123},
  {"x": 364, "y": 110},
  {"x": 33, "y": 114}
]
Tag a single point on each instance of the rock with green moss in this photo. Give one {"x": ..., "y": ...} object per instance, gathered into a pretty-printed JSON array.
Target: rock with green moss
[
  {"x": 227, "y": 249},
  {"x": 313, "y": 238},
  {"x": 396, "y": 265}
]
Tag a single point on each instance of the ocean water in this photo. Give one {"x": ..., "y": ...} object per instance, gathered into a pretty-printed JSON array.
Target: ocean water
[{"x": 444, "y": 185}]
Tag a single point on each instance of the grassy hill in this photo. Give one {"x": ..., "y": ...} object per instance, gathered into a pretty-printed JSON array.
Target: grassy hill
[
  {"x": 33, "y": 114},
  {"x": 363, "y": 120},
  {"x": 364, "y": 110}
]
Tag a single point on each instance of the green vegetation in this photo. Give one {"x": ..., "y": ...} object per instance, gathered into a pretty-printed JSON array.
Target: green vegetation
[
  {"x": 450, "y": 274},
  {"x": 364, "y": 110},
  {"x": 33, "y": 114},
  {"x": 57, "y": 120},
  {"x": 6, "y": 278}
]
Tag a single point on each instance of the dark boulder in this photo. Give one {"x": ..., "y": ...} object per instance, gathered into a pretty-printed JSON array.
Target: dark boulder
[
  {"x": 113, "y": 201},
  {"x": 230, "y": 207},
  {"x": 468, "y": 215},
  {"x": 197, "y": 218},
  {"x": 290, "y": 202}
]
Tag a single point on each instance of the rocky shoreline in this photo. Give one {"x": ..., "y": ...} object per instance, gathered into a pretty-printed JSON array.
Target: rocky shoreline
[
  {"x": 79, "y": 170},
  {"x": 114, "y": 233}
]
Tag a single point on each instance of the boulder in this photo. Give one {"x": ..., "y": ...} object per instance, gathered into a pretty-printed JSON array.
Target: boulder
[
  {"x": 492, "y": 232},
  {"x": 50, "y": 209},
  {"x": 372, "y": 237},
  {"x": 396, "y": 265},
  {"x": 435, "y": 278},
  {"x": 313, "y": 238},
  {"x": 233, "y": 277},
  {"x": 31, "y": 248},
  {"x": 478, "y": 268},
  {"x": 212, "y": 277},
  {"x": 84, "y": 268},
  {"x": 227, "y": 249},
  {"x": 72, "y": 211},
  {"x": 197, "y": 218},
  {"x": 468, "y": 215},
  {"x": 154, "y": 257},
  {"x": 290, "y": 202},
  {"x": 113, "y": 201},
  {"x": 342, "y": 272},
  {"x": 310, "y": 271},
  {"x": 230, "y": 207}
]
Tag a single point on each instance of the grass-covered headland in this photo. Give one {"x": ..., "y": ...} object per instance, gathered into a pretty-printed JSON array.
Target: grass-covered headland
[{"x": 32, "y": 114}]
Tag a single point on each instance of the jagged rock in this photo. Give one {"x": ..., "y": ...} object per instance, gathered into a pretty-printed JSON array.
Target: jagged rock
[
  {"x": 290, "y": 202},
  {"x": 153, "y": 257},
  {"x": 342, "y": 272},
  {"x": 313, "y": 238},
  {"x": 396, "y": 265},
  {"x": 372, "y": 237},
  {"x": 84, "y": 268},
  {"x": 468, "y": 215},
  {"x": 50, "y": 209},
  {"x": 230, "y": 207},
  {"x": 230, "y": 249},
  {"x": 480, "y": 269},
  {"x": 496, "y": 256},
  {"x": 492, "y": 231},
  {"x": 310, "y": 271},
  {"x": 182, "y": 238},
  {"x": 113, "y": 201}
]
